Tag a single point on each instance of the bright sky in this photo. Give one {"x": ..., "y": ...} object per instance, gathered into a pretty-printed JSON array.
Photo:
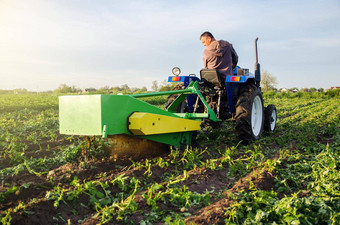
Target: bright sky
[{"x": 45, "y": 43}]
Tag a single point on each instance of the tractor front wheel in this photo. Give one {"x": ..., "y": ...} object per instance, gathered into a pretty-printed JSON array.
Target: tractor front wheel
[
  {"x": 249, "y": 113},
  {"x": 270, "y": 116},
  {"x": 181, "y": 108}
]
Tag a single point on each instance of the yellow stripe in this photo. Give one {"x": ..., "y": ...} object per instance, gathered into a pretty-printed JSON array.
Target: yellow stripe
[{"x": 149, "y": 123}]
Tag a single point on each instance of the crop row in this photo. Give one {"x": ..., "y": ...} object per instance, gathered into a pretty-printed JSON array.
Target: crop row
[{"x": 289, "y": 176}]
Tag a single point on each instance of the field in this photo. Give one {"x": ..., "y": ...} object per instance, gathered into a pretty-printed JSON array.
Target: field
[{"x": 288, "y": 177}]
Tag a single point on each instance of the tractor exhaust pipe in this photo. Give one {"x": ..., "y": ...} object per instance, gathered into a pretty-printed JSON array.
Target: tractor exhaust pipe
[{"x": 257, "y": 66}]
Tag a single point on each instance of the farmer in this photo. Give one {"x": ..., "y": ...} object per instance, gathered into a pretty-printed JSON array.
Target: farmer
[{"x": 218, "y": 55}]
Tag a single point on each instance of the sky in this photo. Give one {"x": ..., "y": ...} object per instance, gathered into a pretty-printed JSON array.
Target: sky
[{"x": 46, "y": 43}]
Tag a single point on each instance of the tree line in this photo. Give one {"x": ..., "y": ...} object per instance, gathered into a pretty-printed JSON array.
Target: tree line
[
  {"x": 124, "y": 89},
  {"x": 268, "y": 83}
]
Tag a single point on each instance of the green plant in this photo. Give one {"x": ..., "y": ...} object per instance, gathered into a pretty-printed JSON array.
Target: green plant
[
  {"x": 9, "y": 191},
  {"x": 76, "y": 191},
  {"x": 153, "y": 195},
  {"x": 118, "y": 209},
  {"x": 57, "y": 195},
  {"x": 6, "y": 220},
  {"x": 182, "y": 197},
  {"x": 120, "y": 181},
  {"x": 300, "y": 161}
]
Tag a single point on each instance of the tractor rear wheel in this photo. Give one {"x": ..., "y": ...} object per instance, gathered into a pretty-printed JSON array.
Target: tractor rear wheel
[
  {"x": 270, "y": 116},
  {"x": 249, "y": 113}
]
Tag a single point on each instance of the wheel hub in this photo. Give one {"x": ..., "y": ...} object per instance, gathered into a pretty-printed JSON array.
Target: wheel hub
[{"x": 256, "y": 116}]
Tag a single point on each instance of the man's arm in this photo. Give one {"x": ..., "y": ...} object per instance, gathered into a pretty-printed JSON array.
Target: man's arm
[
  {"x": 234, "y": 57},
  {"x": 204, "y": 62}
]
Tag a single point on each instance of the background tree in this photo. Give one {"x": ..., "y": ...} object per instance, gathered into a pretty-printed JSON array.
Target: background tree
[
  {"x": 143, "y": 89},
  {"x": 268, "y": 81},
  {"x": 125, "y": 88},
  {"x": 74, "y": 89},
  {"x": 63, "y": 88},
  {"x": 139, "y": 90},
  {"x": 20, "y": 91},
  {"x": 105, "y": 89},
  {"x": 167, "y": 86},
  {"x": 115, "y": 90},
  {"x": 154, "y": 86}
]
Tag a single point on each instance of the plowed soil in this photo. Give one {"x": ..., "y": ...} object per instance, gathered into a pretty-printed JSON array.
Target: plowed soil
[
  {"x": 39, "y": 210},
  {"x": 197, "y": 185}
]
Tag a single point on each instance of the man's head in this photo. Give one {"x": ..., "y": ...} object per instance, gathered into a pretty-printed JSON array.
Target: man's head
[{"x": 206, "y": 38}]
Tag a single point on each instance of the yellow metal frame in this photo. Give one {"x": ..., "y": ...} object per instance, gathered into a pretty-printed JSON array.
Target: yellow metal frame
[{"x": 149, "y": 123}]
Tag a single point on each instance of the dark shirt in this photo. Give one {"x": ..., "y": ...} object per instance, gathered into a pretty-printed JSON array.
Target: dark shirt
[{"x": 220, "y": 55}]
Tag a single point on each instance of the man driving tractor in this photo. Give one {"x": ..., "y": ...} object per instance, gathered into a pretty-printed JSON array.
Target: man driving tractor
[{"x": 218, "y": 55}]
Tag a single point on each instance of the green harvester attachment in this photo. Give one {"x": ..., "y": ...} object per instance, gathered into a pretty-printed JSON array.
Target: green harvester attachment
[{"x": 108, "y": 115}]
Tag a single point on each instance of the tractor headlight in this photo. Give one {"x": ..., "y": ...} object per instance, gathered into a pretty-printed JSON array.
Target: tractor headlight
[{"x": 176, "y": 71}]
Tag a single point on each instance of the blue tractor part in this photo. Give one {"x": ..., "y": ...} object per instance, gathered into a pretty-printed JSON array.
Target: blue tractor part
[
  {"x": 239, "y": 96},
  {"x": 185, "y": 80},
  {"x": 233, "y": 84}
]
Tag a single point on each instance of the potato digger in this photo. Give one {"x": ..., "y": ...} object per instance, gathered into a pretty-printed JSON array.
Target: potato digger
[{"x": 134, "y": 127}]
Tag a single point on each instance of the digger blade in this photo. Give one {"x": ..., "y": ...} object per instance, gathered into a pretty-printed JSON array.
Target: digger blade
[{"x": 123, "y": 145}]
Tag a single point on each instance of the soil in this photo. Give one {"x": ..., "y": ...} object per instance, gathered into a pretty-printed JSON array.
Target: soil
[
  {"x": 32, "y": 189},
  {"x": 199, "y": 180}
]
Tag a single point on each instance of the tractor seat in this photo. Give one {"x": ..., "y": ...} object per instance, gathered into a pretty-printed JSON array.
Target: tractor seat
[{"x": 211, "y": 78}]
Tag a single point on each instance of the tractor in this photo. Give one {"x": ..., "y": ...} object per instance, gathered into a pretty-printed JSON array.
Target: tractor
[
  {"x": 238, "y": 97},
  {"x": 135, "y": 127}
]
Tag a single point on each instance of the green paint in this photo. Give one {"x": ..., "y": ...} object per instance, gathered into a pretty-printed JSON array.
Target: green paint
[{"x": 108, "y": 114}]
